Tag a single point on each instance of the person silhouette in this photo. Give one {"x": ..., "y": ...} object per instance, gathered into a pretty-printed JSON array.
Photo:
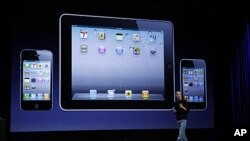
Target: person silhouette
[{"x": 181, "y": 111}]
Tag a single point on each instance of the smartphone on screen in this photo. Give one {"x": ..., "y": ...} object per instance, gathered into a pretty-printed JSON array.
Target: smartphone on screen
[
  {"x": 193, "y": 82},
  {"x": 36, "y": 79}
]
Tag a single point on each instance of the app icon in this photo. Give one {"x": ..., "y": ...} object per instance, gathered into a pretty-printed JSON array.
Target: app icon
[
  {"x": 26, "y": 96},
  {"x": 39, "y": 80},
  {"x": 195, "y": 71},
  {"x": 127, "y": 36},
  {"x": 191, "y": 98},
  {"x": 119, "y": 36},
  {"x": 136, "y": 37},
  {"x": 145, "y": 94},
  {"x": 46, "y": 66},
  {"x": 111, "y": 93},
  {"x": 195, "y": 84},
  {"x": 185, "y": 71},
  {"x": 46, "y": 72},
  {"x": 33, "y": 66},
  {"x": 196, "y": 98},
  {"x": 152, "y": 37},
  {"x": 136, "y": 50},
  {"x": 40, "y": 65},
  {"x": 119, "y": 50},
  {"x": 27, "y": 87},
  {"x": 95, "y": 31},
  {"x": 101, "y": 49},
  {"x": 46, "y": 80},
  {"x": 33, "y": 87},
  {"x": 33, "y": 72},
  {"x": 196, "y": 78},
  {"x": 33, "y": 80},
  {"x": 185, "y": 83},
  {"x": 190, "y": 78},
  {"x": 42, "y": 80},
  {"x": 190, "y": 72},
  {"x": 83, "y": 34},
  {"x": 27, "y": 80},
  {"x": 33, "y": 95},
  {"x": 40, "y": 72},
  {"x": 200, "y": 77},
  {"x": 200, "y": 84},
  {"x": 185, "y": 77},
  {"x": 46, "y": 96},
  {"x": 191, "y": 84},
  {"x": 92, "y": 93},
  {"x": 26, "y": 65},
  {"x": 84, "y": 48},
  {"x": 201, "y": 71},
  {"x": 101, "y": 35},
  {"x": 39, "y": 95},
  {"x": 185, "y": 91},
  {"x": 153, "y": 51},
  {"x": 27, "y": 73},
  {"x": 128, "y": 93},
  {"x": 201, "y": 99}
]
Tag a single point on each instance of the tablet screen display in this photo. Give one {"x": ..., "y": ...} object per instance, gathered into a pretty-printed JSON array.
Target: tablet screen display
[{"x": 110, "y": 63}]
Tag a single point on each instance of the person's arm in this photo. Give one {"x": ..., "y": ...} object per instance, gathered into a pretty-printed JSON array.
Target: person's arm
[{"x": 182, "y": 107}]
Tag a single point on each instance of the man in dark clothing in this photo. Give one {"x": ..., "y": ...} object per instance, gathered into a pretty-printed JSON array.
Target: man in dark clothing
[{"x": 181, "y": 110}]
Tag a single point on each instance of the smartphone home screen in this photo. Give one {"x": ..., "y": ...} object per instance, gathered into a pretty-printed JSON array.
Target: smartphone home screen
[
  {"x": 36, "y": 80},
  {"x": 193, "y": 84}
]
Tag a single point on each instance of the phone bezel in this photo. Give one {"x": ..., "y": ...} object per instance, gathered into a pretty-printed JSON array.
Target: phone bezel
[
  {"x": 190, "y": 63},
  {"x": 32, "y": 54}
]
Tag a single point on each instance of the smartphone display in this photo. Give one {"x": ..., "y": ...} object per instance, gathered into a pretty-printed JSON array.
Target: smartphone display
[
  {"x": 193, "y": 82},
  {"x": 36, "y": 80}
]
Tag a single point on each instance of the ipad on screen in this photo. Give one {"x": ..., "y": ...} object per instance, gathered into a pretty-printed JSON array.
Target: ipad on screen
[{"x": 116, "y": 63}]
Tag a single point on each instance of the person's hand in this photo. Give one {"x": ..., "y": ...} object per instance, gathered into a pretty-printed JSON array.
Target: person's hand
[
  {"x": 181, "y": 106},
  {"x": 174, "y": 110}
]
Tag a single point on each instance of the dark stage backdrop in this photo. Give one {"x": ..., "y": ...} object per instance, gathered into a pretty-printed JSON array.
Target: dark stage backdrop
[
  {"x": 240, "y": 80},
  {"x": 215, "y": 32}
]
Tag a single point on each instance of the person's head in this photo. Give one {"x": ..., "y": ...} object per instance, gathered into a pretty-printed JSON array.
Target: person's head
[{"x": 178, "y": 95}]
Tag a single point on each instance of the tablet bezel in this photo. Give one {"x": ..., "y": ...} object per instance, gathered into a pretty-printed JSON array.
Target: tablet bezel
[{"x": 65, "y": 86}]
